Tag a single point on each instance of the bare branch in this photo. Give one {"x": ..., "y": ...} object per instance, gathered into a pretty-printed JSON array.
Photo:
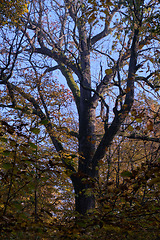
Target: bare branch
[
  {"x": 144, "y": 138},
  {"x": 51, "y": 69},
  {"x": 106, "y": 29},
  {"x": 58, "y": 56},
  {"x": 145, "y": 79},
  {"x": 105, "y": 54},
  {"x": 71, "y": 84}
]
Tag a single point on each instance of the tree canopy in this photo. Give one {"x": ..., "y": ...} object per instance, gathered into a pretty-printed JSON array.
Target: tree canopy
[{"x": 12, "y": 11}]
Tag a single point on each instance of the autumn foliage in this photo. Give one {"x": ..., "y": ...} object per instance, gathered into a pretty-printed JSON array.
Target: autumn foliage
[{"x": 12, "y": 11}]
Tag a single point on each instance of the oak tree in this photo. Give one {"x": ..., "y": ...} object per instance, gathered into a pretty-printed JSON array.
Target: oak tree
[{"x": 105, "y": 51}]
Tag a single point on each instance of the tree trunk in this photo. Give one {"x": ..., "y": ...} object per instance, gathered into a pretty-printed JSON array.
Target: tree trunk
[
  {"x": 84, "y": 197},
  {"x": 83, "y": 201}
]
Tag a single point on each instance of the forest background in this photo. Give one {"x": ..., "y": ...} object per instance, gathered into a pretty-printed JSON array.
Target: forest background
[{"x": 80, "y": 117}]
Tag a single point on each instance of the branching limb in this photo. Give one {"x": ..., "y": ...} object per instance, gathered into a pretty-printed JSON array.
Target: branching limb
[
  {"x": 106, "y": 29},
  {"x": 146, "y": 80},
  {"x": 99, "y": 96},
  {"x": 71, "y": 84},
  {"x": 39, "y": 90},
  {"x": 63, "y": 20},
  {"x": 119, "y": 115},
  {"x": 105, "y": 54},
  {"x": 3, "y": 75},
  {"x": 51, "y": 69},
  {"x": 49, "y": 127},
  {"x": 58, "y": 56},
  {"x": 101, "y": 88},
  {"x": 11, "y": 94},
  {"x": 144, "y": 138}
]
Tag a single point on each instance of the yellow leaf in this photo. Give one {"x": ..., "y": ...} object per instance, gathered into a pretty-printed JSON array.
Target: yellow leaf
[
  {"x": 139, "y": 120},
  {"x": 108, "y": 71},
  {"x": 127, "y": 90},
  {"x": 130, "y": 128}
]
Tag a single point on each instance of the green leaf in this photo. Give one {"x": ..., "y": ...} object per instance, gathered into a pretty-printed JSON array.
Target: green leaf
[
  {"x": 126, "y": 174},
  {"x": 7, "y": 165},
  {"x": 44, "y": 122},
  {"x": 13, "y": 142},
  {"x": 6, "y": 153},
  {"x": 17, "y": 205},
  {"x": 81, "y": 224},
  {"x": 35, "y": 130},
  {"x": 32, "y": 145},
  {"x": 2, "y": 139}
]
